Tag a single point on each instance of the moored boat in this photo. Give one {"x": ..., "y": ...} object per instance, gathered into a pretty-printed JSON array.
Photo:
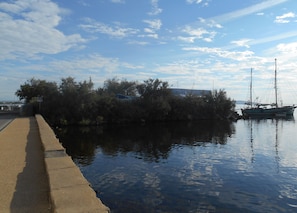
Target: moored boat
[
  {"x": 264, "y": 112},
  {"x": 267, "y": 110}
]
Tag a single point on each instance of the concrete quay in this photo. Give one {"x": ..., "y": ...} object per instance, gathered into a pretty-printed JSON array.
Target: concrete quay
[{"x": 36, "y": 174}]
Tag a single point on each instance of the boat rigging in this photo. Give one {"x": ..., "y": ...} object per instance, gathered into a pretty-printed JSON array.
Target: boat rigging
[{"x": 261, "y": 110}]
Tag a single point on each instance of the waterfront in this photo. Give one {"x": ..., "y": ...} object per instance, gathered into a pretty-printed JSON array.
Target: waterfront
[{"x": 247, "y": 166}]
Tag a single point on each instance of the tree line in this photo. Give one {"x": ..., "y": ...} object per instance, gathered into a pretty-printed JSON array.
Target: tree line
[{"x": 78, "y": 103}]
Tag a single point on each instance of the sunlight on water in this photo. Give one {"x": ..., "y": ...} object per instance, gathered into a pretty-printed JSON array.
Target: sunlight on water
[{"x": 248, "y": 166}]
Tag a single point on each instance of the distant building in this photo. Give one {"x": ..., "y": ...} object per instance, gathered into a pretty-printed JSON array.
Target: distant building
[
  {"x": 185, "y": 92},
  {"x": 175, "y": 91},
  {"x": 10, "y": 106},
  {"x": 125, "y": 97}
]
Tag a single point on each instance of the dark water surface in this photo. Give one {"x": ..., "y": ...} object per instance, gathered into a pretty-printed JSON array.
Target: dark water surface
[{"x": 247, "y": 166}]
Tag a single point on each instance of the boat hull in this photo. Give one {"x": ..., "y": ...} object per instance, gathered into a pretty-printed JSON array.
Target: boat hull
[{"x": 258, "y": 112}]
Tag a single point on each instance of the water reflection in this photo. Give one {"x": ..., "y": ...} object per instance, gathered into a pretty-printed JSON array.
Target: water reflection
[
  {"x": 190, "y": 167},
  {"x": 275, "y": 131},
  {"x": 148, "y": 142},
  {"x": 253, "y": 124}
]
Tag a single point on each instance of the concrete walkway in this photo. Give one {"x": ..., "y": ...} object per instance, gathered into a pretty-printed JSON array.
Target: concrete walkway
[{"x": 23, "y": 181}]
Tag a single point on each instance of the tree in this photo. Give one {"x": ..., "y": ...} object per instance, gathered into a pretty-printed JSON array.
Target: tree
[
  {"x": 220, "y": 104},
  {"x": 155, "y": 95},
  {"x": 77, "y": 101},
  {"x": 153, "y": 89},
  {"x": 34, "y": 88},
  {"x": 40, "y": 94},
  {"x": 114, "y": 86}
]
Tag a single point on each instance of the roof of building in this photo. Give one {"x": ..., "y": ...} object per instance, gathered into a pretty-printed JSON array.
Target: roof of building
[{"x": 185, "y": 92}]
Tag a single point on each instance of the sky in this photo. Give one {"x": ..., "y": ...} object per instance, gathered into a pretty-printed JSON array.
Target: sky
[{"x": 191, "y": 44}]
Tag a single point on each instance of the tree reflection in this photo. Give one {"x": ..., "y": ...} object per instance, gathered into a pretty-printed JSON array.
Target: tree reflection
[{"x": 151, "y": 142}]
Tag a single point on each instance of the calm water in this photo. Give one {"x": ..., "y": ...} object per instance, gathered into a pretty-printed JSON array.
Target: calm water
[{"x": 247, "y": 166}]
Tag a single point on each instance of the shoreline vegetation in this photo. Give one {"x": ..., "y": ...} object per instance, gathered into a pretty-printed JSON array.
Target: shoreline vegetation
[{"x": 120, "y": 101}]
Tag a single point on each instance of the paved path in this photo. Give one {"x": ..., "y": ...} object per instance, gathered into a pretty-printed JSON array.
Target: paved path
[{"x": 23, "y": 181}]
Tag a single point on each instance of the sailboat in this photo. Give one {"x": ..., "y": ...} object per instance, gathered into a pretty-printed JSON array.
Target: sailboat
[{"x": 267, "y": 110}]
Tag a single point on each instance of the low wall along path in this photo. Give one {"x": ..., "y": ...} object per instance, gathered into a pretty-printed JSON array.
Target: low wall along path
[{"x": 37, "y": 175}]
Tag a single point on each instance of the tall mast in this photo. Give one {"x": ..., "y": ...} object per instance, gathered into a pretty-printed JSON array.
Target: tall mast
[
  {"x": 251, "y": 88},
  {"x": 275, "y": 83}
]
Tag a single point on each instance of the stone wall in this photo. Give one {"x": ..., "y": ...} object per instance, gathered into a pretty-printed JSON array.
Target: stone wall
[{"x": 69, "y": 190}]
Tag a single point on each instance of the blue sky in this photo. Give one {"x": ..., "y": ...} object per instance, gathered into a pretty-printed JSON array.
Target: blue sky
[{"x": 192, "y": 44}]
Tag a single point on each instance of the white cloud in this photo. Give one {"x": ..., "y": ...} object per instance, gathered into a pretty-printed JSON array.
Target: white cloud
[
  {"x": 289, "y": 48},
  {"x": 234, "y": 55},
  {"x": 194, "y": 1},
  {"x": 117, "y": 30},
  {"x": 43, "y": 12},
  {"x": 247, "y": 11},
  {"x": 81, "y": 67},
  {"x": 90, "y": 64},
  {"x": 155, "y": 8},
  {"x": 154, "y": 24},
  {"x": 118, "y": 1},
  {"x": 28, "y": 28},
  {"x": 260, "y": 14},
  {"x": 285, "y": 18},
  {"x": 93, "y": 64},
  {"x": 141, "y": 43},
  {"x": 197, "y": 33},
  {"x": 83, "y": 3},
  {"x": 154, "y": 35},
  {"x": 202, "y": 2},
  {"x": 210, "y": 23},
  {"x": 149, "y": 30},
  {"x": 177, "y": 68},
  {"x": 242, "y": 43},
  {"x": 276, "y": 37},
  {"x": 149, "y": 35},
  {"x": 189, "y": 39}
]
